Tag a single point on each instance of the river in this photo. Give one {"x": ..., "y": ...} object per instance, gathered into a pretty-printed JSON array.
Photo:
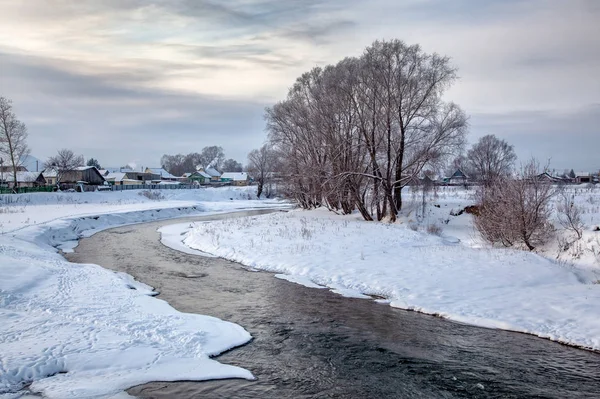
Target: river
[{"x": 312, "y": 343}]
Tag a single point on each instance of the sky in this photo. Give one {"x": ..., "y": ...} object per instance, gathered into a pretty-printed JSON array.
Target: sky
[{"x": 126, "y": 81}]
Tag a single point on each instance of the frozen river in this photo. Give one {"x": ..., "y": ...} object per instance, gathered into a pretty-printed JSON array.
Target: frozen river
[{"x": 313, "y": 343}]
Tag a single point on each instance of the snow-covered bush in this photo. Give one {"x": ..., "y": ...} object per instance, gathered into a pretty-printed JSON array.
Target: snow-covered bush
[
  {"x": 434, "y": 229},
  {"x": 152, "y": 195},
  {"x": 516, "y": 210}
]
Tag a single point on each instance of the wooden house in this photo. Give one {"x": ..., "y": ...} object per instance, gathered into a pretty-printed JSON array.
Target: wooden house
[
  {"x": 87, "y": 174},
  {"x": 199, "y": 177},
  {"x": 24, "y": 179},
  {"x": 161, "y": 173},
  {"x": 583, "y": 177},
  {"x": 236, "y": 178}
]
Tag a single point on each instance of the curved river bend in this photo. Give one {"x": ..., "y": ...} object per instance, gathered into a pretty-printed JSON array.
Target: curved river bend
[{"x": 312, "y": 343}]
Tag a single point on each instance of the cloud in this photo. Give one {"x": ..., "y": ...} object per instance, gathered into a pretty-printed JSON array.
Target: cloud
[
  {"x": 566, "y": 139},
  {"x": 118, "y": 76}
]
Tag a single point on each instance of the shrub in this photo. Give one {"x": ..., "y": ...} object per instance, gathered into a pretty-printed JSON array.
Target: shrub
[
  {"x": 434, "y": 229},
  {"x": 152, "y": 195},
  {"x": 569, "y": 214},
  {"x": 516, "y": 210}
]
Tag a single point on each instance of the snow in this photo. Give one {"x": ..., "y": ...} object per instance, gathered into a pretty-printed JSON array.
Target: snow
[
  {"x": 82, "y": 331},
  {"x": 454, "y": 275}
]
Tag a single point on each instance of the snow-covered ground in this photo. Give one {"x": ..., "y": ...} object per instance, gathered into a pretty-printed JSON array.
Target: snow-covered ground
[
  {"x": 452, "y": 274},
  {"x": 75, "y": 330}
]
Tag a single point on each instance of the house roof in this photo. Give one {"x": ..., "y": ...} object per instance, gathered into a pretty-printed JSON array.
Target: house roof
[
  {"x": 116, "y": 176},
  {"x": 49, "y": 173},
  {"x": 582, "y": 174},
  {"x": 458, "y": 174},
  {"x": 22, "y": 177},
  {"x": 161, "y": 172},
  {"x": 235, "y": 176},
  {"x": 200, "y": 172},
  {"x": 212, "y": 172}
]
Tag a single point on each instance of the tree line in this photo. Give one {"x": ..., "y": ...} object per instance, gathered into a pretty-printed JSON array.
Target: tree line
[{"x": 210, "y": 156}]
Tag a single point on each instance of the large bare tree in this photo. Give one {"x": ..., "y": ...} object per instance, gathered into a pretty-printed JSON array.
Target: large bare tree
[
  {"x": 262, "y": 163},
  {"x": 491, "y": 158},
  {"x": 13, "y": 137},
  {"x": 63, "y": 162}
]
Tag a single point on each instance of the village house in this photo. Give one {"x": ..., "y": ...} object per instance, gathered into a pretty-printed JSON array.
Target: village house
[
  {"x": 548, "y": 178},
  {"x": 161, "y": 173},
  {"x": 235, "y": 178},
  {"x": 215, "y": 176},
  {"x": 583, "y": 177},
  {"x": 24, "y": 179},
  {"x": 198, "y": 177},
  {"x": 457, "y": 178},
  {"x": 84, "y": 174}
]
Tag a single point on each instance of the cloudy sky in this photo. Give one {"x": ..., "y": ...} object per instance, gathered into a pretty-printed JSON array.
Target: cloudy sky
[{"x": 129, "y": 80}]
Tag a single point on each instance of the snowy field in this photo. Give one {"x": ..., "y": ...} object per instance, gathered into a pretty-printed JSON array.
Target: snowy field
[
  {"x": 451, "y": 273},
  {"x": 81, "y": 331}
]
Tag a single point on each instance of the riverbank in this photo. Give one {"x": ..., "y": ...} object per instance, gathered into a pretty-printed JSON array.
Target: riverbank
[
  {"x": 79, "y": 330},
  {"x": 441, "y": 275}
]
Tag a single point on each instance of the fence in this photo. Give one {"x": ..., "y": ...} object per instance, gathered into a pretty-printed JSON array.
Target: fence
[
  {"x": 87, "y": 188},
  {"x": 24, "y": 190},
  {"x": 159, "y": 187}
]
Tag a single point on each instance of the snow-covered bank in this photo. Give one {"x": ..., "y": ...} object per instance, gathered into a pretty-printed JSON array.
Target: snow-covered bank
[
  {"x": 76, "y": 331},
  {"x": 490, "y": 287}
]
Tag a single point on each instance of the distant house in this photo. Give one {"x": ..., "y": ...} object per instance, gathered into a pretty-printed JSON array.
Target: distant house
[
  {"x": 199, "y": 177},
  {"x": 215, "y": 176},
  {"x": 236, "y": 178},
  {"x": 126, "y": 178},
  {"x": 162, "y": 173},
  {"x": 24, "y": 179},
  {"x": 546, "y": 177},
  {"x": 457, "y": 178},
  {"x": 583, "y": 177},
  {"x": 83, "y": 174},
  {"x": 50, "y": 175}
]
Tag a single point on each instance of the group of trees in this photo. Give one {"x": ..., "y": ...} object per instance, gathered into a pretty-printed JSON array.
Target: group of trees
[
  {"x": 353, "y": 135},
  {"x": 211, "y": 156}
]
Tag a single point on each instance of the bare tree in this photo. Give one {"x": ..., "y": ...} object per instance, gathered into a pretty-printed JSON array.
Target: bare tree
[
  {"x": 231, "y": 165},
  {"x": 569, "y": 213},
  {"x": 13, "y": 137},
  {"x": 262, "y": 163},
  {"x": 516, "y": 210},
  {"x": 212, "y": 156},
  {"x": 63, "y": 162},
  {"x": 491, "y": 158}
]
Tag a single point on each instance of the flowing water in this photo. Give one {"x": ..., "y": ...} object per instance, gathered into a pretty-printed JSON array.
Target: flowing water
[{"x": 311, "y": 343}]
